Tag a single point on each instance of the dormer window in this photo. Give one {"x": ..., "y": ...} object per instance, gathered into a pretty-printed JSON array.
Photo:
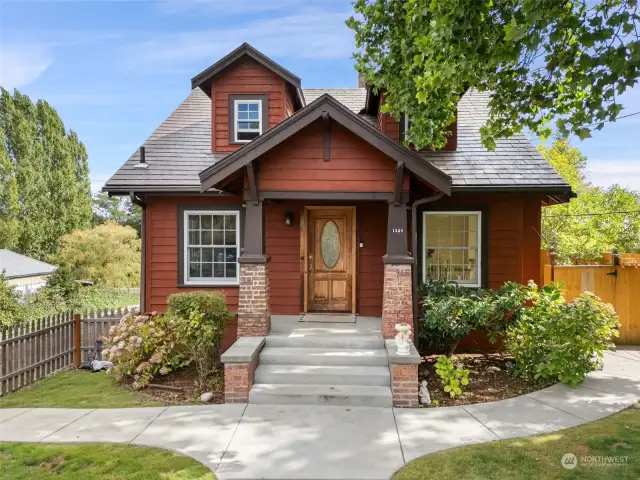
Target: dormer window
[{"x": 247, "y": 117}]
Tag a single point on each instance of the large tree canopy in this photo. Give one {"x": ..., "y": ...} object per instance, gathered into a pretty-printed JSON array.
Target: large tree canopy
[
  {"x": 598, "y": 220},
  {"x": 44, "y": 177},
  {"x": 541, "y": 59}
]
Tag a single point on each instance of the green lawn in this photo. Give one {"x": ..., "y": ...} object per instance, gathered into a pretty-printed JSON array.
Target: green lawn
[
  {"x": 77, "y": 389},
  {"x": 539, "y": 457},
  {"x": 28, "y": 461}
]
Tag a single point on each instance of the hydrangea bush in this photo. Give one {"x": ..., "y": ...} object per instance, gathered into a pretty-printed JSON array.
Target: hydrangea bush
[{"x": 144, "y": 346}]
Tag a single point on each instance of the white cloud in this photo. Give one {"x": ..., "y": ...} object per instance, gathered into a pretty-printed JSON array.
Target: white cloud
[
  {"x": 22, "y": 64},
  {"x": 309, "y": 34},
  {"x": 608, "y": 172}
]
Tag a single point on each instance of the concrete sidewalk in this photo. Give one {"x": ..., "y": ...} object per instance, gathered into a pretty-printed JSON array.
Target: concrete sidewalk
[{"x": 311, "y": 442}]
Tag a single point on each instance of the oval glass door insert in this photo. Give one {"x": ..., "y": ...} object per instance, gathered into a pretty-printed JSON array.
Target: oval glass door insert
[{"x": 330, "y": 244}]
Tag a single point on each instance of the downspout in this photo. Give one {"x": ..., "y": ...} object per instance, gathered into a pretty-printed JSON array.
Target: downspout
[
  {"x": 414, "y": 246},
  {"x": 143, "y": 251}
]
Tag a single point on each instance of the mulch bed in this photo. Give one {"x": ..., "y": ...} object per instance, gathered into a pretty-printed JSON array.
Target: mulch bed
[
  {"x": 181, "y": 387},
  {"x": 489, "y": 379}
]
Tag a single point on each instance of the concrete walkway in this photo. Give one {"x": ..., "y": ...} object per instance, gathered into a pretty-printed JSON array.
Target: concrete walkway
[{"x": 311, "y": 442}]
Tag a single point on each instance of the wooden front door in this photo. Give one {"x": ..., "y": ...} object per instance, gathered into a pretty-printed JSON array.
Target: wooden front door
[{"x": 330, "y": 259}]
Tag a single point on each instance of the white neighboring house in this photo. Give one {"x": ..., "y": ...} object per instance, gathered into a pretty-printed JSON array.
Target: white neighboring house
[{"x": 24, "y": 273}]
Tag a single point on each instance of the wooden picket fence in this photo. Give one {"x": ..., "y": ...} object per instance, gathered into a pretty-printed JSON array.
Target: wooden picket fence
[{"x": 34, "y": 349}]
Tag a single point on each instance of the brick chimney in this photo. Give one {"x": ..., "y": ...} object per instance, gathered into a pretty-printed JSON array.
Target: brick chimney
[{"x": 361, "y": 82}]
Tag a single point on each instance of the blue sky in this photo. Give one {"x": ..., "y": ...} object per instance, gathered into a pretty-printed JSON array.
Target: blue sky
[{"x": 114, "y": 70}]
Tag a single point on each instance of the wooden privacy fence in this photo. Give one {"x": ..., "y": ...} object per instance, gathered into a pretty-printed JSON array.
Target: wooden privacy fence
[
  {"x": 616, "y": 285},
  {"x": 34, "y": 349}
]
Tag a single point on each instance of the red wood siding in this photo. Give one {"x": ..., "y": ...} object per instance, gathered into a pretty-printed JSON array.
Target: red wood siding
[
  {"x": 162, "y": 255},
  {"x": 282, "y": 245},
  {"x": 372, "y": 232},
  {"x": 388, "y": 124},
  {"x": 244, "y": 77},
  {"x": 297, "y": 164}
]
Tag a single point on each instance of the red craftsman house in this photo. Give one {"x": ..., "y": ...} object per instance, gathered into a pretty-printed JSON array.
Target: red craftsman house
[{"x": 299, "y": 203}]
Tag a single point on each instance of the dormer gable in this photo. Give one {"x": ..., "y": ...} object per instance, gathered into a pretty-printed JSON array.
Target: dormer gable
[{"x": 250, "y": 94}]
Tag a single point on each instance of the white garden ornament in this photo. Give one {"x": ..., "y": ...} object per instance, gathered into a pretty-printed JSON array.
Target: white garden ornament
[{"x": 403, "y": 338}]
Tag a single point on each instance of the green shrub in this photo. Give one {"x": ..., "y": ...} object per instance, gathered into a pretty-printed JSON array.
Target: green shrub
[
  {"x": 11, "y": 310},
  {"x": 451, "y": 311},
  {"x": 144, "y": 346},
  {"x": 200, "y": 319},
  {"x": 553, "y": 339},
  {"x": 453, "y": 378}
]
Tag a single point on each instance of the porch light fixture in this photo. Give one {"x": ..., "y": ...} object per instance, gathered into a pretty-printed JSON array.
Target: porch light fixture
[{"x": 288, "y": 219}]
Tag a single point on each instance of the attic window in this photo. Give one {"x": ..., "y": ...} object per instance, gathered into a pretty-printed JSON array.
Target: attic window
[{"x": 247, "y": 118}]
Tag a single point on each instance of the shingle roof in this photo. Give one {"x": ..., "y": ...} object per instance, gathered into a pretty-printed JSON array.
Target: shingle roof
[
  {"x": 352, "y": 98},
  {"x": 180, "y": 148},
  {"x": 15, "y": 265},
  {"x": 514, "y": 162}
]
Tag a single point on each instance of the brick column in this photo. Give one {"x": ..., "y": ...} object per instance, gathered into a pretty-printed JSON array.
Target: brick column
[
  {"x": 254, "y": 316},
  {"x": 397, "y": 305}
]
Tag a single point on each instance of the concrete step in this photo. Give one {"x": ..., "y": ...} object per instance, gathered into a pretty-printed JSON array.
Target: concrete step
[
  {"x": 338, "y": 395},
  {"x": 323, "y": 375},
  {"x": 323, "y": 356},
  {"x": 325, "y": 340}
]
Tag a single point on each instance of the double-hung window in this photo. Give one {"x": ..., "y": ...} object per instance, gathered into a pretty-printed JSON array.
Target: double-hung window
[
  {"x": 452, "y": 247},
  {"x": 248, "y": 119},
  {"x": 211, "y": 247}
]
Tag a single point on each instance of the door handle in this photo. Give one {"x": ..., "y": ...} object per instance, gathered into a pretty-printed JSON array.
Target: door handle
[{"x": 311, "y": 263}]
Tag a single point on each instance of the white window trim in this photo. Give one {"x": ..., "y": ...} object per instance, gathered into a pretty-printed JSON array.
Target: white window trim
[
  {"x": 406, "y": 124},
  {"x": 236, "y": 120},
  {"x": 185, "y": 250},
  {"x": 479, "y": 264}
]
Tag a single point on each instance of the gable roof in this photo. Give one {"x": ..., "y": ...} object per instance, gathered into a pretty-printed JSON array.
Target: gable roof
[
  {"x": 323, "y": 105},
  {"x": 15, "y": 265},
  {"x": 180, "y": 148},
  {"x": 204, "y": 78}
]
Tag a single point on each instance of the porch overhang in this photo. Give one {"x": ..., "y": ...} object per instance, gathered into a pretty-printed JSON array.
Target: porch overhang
[{"x": 325, "y": 107}]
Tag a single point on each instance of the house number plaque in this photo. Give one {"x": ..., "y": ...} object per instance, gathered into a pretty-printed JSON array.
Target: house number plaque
[{"x": 397, "y": 230}]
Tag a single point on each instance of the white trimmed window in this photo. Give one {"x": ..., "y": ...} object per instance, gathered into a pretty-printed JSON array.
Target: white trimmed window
[
  {"x": 211, "y": 247},
  {"x": 452, "y": 247},
  {"x": 248, "y": 119}
]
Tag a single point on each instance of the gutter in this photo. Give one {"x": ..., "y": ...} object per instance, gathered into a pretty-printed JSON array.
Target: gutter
[
  {"x": 414, "y": 245},
  {"x": 143, "y": 251}
]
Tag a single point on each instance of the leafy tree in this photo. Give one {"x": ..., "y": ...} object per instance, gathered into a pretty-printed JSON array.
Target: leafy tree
[
  {"x": 541, "y": 59},
  {"x": 590, "y": 224},
  {"x": 117, "y": 209},
  {"x": 107, "y": 254},
  {"x": 9, "y": 207},
  {"x": 45, "y": 190}
]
